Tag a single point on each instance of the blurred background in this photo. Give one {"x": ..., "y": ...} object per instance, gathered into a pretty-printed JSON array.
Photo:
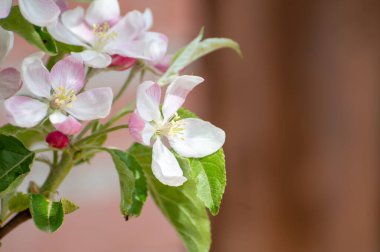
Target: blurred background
[{"x": 301, "y": 112}]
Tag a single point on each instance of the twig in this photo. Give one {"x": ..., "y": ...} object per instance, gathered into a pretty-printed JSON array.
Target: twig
[{"x": 19, "y": 218}]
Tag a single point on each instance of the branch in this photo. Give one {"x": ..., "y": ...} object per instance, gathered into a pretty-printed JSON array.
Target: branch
[{"x": 19, "y": 218}]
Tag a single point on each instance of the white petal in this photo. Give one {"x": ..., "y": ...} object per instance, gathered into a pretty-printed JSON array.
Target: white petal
[
  {"x": 68, "y": 125},
  {"x": 177, "y": 93},
  {"x": 61, "y": 33},
  {"x": 148, "y": 101},
  {"x": 24, "y": 111},
  {"x": 40, "y": 12},
  {"x": 165, "y": 166},
  {"x": 92, "y": 104},
  {"x": 74, "y": 21},
  {"x": 6, "y": 42},
  {"x": 101, "y": 11},
  {"x": 142, "y": 131},
  {"x": 95, "y": 59},
  {"x": 148, "y": 17},
  {"x": 5, "y": 8},
  {"x": 10, "y": 82},
  {"x": 198, "y": 139},
  {"x": 68, "y": 73},
  {"x": 35, "y": 75}
]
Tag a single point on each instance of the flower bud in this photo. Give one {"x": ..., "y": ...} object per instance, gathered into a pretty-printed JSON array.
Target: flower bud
[
  {"x": 57, "y": 140},
  {"x": 121, "y": 63}
]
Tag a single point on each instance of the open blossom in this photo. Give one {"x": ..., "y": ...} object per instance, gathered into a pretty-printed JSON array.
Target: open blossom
[
  {"x": 10, "y": 80},
  {"x": 104, "y": 33},
  {"x": 38, "y": 12},
  {"x": 57, "y": 95},
  {"x": 190, "y": 137}
]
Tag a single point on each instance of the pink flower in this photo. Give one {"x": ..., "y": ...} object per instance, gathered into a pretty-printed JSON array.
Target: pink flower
[
  {"x": 38, "y": 12},
  {"x": 58, "y": 140},
  {"x": 103, "y": 33},
  {"x": 10, "y": 80},
  {"x": 190, "y": 137},
  {"x": 57, "y": 95}
]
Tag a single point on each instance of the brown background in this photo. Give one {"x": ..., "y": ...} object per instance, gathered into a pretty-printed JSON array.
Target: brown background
[{"x": 301, "y": 111}]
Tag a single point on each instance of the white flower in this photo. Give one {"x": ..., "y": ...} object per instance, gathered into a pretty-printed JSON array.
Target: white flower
[
  {"x": 57, "y": 94},
  {"x": 103, "y": 33},
  {"x": 10, "y": 80},
  {"x": 38, "y": 12},
  {"x": 190, "y": 137}
]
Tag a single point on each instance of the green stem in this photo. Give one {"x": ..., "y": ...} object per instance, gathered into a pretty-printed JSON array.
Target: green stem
[
  {"x": 99, "y": 133},
  {"x": 131, "y": 75},
  {"x": 58, "y": 174}
]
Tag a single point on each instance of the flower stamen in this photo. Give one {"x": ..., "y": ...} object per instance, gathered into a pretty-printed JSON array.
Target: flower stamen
[
  {"x": 62, "y": 97},
  {"x": 103, "y": 35}
]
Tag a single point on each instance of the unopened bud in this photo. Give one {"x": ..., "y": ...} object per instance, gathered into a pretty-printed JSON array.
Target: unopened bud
[
  {"x": 57, "y": 140},
  {"x": 121, "y": 63}
]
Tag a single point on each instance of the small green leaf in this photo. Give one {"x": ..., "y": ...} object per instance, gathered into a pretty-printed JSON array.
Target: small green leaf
[
  {"x": 132, "y": 183},
  {"x": 28, "y": 136},
  {"x": 210, "y": 176},
  {"x": 19, "y": 203},
  {"x": 15, "y": 162},
  {"x": 68, "y": 206},
  {"x": 47, "y": 215},
  {"x": 212, "y": 44},
  {"x": 17, "y": 23},
  {"x": 179, "y": 204}
]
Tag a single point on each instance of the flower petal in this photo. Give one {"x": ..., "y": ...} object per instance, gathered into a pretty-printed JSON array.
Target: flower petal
[
  {"x": 6, "y": 42},
  {"x": 101, "y": 11},
  {"x": 68, "y": 73},
  {"x": 148, "y": 101},
  {"x": 177, "y": 93},
  {"x": 10, "y": 82},
  {"x": 165, "y": 166},
  {"x": 66, "y": 124},
  {"x": 93, "y": 104},
  {"x": 24, "y": 111},
  {"x": 61, "y": 33},
  {"x": 40, "y": 12},
  {"x": 148, "y": 18},
  {"x": 95, "y": 59},
  {"x": 74, "y": 21},
  {"x": 5, "y": 8},
  {"x": 142, "y": 131},
  {"x": 198, "y": 138},
  {"x": 35, "y": 75}
]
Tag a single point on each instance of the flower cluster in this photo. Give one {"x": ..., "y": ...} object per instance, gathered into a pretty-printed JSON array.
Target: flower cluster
[{"x": 107, "y": 40}]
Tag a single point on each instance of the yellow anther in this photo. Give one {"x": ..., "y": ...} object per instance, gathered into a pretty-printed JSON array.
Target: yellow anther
[
  {"x": 62, "y": 97},
  {"x": 103, "y": 35}
]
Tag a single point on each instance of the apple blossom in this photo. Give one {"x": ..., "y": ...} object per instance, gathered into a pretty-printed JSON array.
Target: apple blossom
[
  {"x": 104, "y": 33},
  {"x": 38, "y": 12},
  {"x": 58, "y": 95},
  {"x": 190, "y": 137},
  {"x": 10, "y": 80}
]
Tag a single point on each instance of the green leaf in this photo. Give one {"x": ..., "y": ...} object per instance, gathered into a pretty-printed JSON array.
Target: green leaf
[
  {"x": 195, "y": 50},
  {"x": 34, "y": 35},
  {"x": 15, "y": 162},
  {"x": 210, "y": 176},
  {"x": 68, "y": 206},
  {"x": 47, "y": 215},
  {"x": 179, "y": 204},
  {"x": 132, "y": 183},
  {"x": 19, "y": 203},
  {"x": 28, "y": 136}
]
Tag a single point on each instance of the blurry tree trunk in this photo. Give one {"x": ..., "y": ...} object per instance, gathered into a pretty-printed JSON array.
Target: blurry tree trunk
[{"x": 302, "y": 116}]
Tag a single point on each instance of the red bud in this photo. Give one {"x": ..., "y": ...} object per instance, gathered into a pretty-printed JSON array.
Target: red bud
[
  {"x": 57, "y": 140},
  {"x": 122, "y": 63}
]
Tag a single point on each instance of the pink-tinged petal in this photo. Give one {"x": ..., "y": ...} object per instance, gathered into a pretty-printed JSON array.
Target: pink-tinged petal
[
  {"x": 6, "y": 42},
  {"x": 66, "y": 124},
  {"x": 148, "y": 101},
  {"x": 121, "y": 63},
  {"x": 177, "y": 92},
  {"x": 61, "y": 33},
  {"x": 139, "y": 129},
  {"x": 95, "y": 59},
  {"x": 24, "y": 111},
  {"x": 35, "y": 75},
  {"x": 165, "y": 166},
  {"x": 68, "y": 73},
  {"x": 197, "y": 139},
  {"x": 163, "y": 64},
  {"x": 74, "y": 21},
  {"x": 149, "y": 46},
  {"x": 62, "y": 4},
  {"x": 5, "y": 8},
  {"x": 10, "y": 82},
  {"x": 92, "y": 104},
  {"x": 101, "y": 11},
  {"x": 40, "y": 12}
]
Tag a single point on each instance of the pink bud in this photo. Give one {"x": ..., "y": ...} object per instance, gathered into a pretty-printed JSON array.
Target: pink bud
[
  {"x": 57, "y": 140},
  {"x": 163, "y": 64},
  {"x": 121, "y": 63}
]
